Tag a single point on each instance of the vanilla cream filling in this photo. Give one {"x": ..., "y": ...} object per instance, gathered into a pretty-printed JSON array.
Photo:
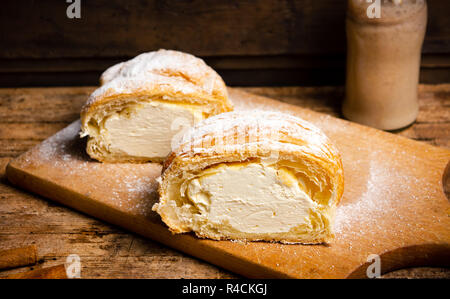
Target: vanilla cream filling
[
  {"x": 248, "y": 198},
  {"x": 148, "y": 129}
]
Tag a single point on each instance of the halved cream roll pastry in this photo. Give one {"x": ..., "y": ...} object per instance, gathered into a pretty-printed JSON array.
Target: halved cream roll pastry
[
  {"x": 144, "y": 103},
  {"x": 252, "y": 176}
]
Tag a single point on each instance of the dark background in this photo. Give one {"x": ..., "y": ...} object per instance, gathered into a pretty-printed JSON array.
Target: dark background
[{"x": 259, "y": 42}]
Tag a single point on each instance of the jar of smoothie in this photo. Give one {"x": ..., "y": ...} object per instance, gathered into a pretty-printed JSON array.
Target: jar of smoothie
[{"x": 383, "y": 61}]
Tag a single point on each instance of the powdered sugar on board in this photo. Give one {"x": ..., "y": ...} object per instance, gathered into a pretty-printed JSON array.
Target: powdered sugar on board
[
  {"x": 393, "y": 199},
  {"x": 386, "y": 193},
  {"x": 131, "y": 187},
  {"x": 385, "y": 181}
]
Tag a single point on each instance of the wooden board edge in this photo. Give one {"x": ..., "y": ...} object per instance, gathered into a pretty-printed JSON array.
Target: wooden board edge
[
  {"x": 216, "y": 256},
  {"x": 412, "y": 256},
  {"x": 222, "y": 258},
  {"x": 424, "y": 255}
]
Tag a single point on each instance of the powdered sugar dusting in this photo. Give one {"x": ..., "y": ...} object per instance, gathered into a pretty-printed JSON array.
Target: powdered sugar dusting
[
  {"x": 163, "y": 62},
  {"x": 389, "y": 196},
  {"x": 125, "y": 85},
  {"x": 374, "y": 200},
  {"x": 272, "y": 131},
  {"x": 163, "y": 72},
  {"x": 171, "y": 71}
]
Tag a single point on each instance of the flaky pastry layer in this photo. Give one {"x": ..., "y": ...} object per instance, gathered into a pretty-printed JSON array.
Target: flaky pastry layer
[
  {"x": 265, "y": 140},
  {"x": 160, "y": 76}
]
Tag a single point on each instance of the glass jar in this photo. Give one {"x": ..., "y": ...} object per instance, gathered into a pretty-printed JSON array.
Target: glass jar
[{"x": 383, "y": 61}]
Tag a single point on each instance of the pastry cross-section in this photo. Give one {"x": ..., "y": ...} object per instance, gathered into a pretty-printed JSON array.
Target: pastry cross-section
[
  {"x": 252, "y": 175},
  {"x": 146, "y": 103}
]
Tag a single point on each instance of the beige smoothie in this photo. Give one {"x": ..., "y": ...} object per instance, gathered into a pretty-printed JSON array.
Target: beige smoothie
[{"x": 383, "y": 62}]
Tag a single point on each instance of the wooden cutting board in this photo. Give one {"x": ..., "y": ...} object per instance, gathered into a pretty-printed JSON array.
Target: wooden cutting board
[{"x": 393, "y": 205}]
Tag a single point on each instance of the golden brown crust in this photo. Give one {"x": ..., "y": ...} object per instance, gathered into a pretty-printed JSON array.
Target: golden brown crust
[{"x": 167, "y": 63}]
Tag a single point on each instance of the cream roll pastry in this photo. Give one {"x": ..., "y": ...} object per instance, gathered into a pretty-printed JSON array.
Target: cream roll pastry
[
  {"x": 252, "y": 176},
  {"x": 145, "y": 103}
]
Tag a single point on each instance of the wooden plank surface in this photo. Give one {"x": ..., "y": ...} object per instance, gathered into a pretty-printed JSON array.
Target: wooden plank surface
[
  {"x": 107, "y": 251},
  {"x": 277, "y": 42},
  {"x": 431, "y": 231},
  {"x": 115, "y": 28}
]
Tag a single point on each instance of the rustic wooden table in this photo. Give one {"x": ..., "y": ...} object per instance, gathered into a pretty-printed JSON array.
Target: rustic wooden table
[{"x": 29, "y": 115}]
